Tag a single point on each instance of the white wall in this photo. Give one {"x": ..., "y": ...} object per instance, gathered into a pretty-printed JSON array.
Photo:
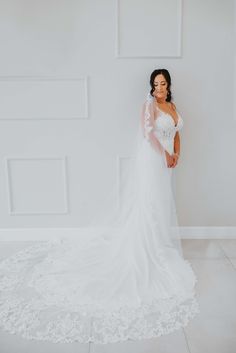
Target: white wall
[{"x": 73, "y": 76}]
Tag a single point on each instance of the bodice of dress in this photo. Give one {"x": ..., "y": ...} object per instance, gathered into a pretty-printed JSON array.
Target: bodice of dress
[{"x": 165, "y": 129}]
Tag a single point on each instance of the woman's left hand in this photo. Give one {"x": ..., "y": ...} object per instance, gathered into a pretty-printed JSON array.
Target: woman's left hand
[{"x": 175, "y": 159}]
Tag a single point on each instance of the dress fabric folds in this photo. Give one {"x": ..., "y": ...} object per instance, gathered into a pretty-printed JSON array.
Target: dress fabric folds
[{"x": 124, "y": 282}]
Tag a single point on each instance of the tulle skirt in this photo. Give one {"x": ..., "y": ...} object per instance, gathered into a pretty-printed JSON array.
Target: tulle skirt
[{"x": 109, "y": 284}]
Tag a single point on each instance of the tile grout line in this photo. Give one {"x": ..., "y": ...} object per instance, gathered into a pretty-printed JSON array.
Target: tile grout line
[
  {"x": 221, "y": 248},
  {"x": 224, "y": 257},
  {"x": 186, "y": 340},
  {"x": 211, "y": 258},
  {"x": 228, "y": 258},
  {"x": 206, "y": 258}
]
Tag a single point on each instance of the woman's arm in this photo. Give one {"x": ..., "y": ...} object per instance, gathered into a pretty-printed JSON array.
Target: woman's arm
[
  {"x": 176, "y": 138},
  {"x": 177, "y": 143},
  {"x": 176, "y": 153}
]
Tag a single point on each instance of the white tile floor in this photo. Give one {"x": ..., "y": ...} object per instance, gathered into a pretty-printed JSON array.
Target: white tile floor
[{"x": 211, "y": 331}]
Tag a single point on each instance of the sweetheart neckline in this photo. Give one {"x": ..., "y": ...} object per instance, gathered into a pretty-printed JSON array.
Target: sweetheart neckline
[{"x": 175, "y": 125}]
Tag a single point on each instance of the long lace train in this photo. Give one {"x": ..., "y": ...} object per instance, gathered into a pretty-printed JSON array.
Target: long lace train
[{"x": 41, "y": 314}]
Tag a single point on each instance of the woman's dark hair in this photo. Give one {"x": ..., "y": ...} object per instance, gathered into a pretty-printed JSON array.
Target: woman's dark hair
[{"x": 166, "y": 74}]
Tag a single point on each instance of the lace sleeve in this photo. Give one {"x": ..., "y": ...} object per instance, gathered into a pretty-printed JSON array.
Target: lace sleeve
[{"x": 148, "y": 125}]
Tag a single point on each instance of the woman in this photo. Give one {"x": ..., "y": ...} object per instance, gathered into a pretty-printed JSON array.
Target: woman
[
  {"x": 160, "y": 82},
  {"x": 124, "y": 281}
]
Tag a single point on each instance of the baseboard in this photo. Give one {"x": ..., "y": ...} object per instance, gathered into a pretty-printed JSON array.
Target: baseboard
[{"x": 41, "y": 234}]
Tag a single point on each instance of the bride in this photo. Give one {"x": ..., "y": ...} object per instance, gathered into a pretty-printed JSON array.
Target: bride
[{"x": 125, "y": 280}]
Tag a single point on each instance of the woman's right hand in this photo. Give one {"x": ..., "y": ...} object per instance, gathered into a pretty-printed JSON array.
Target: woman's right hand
[{"x": 169, "y": 160}]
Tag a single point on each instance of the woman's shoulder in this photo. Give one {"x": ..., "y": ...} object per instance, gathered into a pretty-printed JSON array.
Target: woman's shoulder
[{"x": 173, "y": 105}]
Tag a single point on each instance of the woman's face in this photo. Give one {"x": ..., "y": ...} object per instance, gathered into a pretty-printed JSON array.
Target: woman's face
[{"x": 160, "y": 86}]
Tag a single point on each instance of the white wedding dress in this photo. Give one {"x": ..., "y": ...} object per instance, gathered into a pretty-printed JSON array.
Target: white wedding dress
[{"x": 128, "y": 282}]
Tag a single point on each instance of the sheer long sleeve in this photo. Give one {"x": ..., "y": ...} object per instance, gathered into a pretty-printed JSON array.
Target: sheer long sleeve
[{"x": 148, "y": 125}]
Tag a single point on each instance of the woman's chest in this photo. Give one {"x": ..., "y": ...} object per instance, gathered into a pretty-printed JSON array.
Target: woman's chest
[
  {"x": 172, "y": 114},
  {"x": 165, "y": 123}
]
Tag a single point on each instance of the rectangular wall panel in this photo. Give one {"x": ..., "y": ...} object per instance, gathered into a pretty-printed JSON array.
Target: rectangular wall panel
[
  {"x": 150, "y": 29},
  {"x": 43, "y": 98},
  {"x": 36, "y": 186}
]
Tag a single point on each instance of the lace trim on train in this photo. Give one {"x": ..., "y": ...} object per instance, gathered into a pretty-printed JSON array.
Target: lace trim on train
[
  {"x": 147, "y": 121},
  {"x": 147, "y": 321},
  {"x": 32, "y": 318}
]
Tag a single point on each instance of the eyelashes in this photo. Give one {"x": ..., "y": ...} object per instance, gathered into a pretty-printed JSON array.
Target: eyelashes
[{"x": 163, "y": 84}]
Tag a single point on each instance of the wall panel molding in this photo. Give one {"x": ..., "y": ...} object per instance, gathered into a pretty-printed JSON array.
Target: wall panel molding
[
  {"x": 43, "y": 98},
  {"x": 150, "y": 36},
  {"x": 15, "y": 193}
]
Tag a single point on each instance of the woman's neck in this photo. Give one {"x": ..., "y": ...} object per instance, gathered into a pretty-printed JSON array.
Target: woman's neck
[{"x": 161, "y": 101}]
